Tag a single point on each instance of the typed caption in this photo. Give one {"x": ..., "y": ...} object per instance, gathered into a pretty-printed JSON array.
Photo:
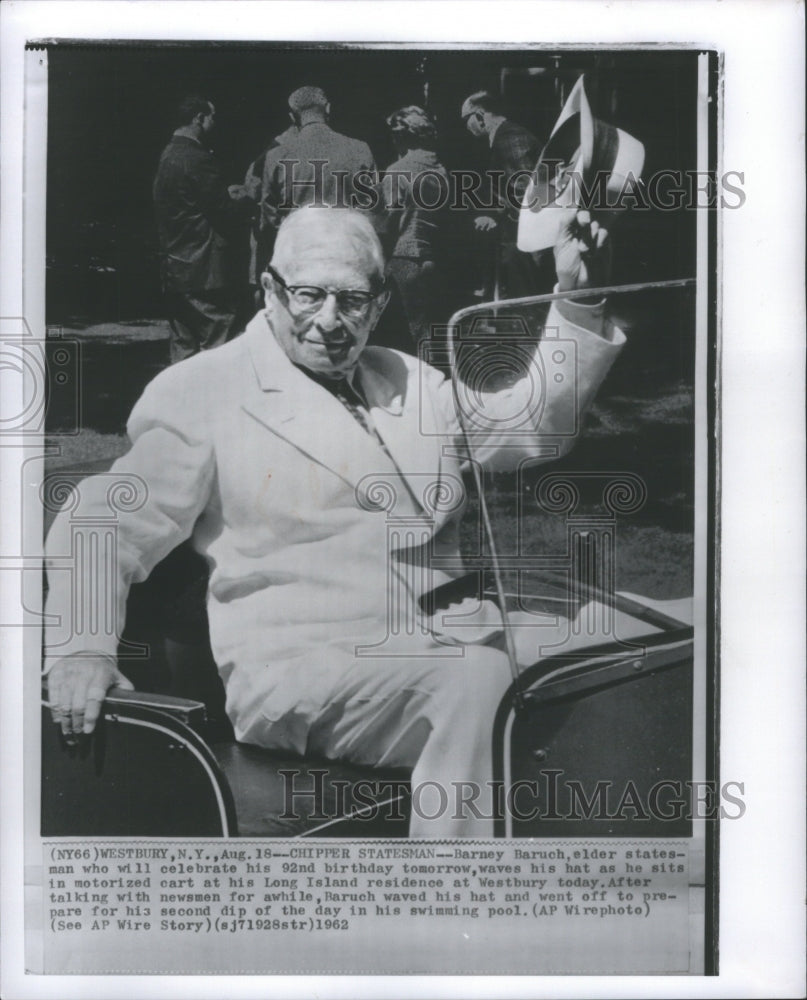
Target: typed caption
[{"x": 138, "y": 906}]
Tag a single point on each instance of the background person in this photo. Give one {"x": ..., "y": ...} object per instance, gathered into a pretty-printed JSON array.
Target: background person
[
  {"x": 316, "y": 165},
  {"x": 514, "y": 151},
  {"x": 200, "y": 223},
  {"x": 414, "y": 203}
]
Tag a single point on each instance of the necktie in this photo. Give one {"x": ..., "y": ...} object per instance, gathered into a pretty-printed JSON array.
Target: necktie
[
  {"x": 354, "y": 404},
  {"x": 351, "y": 397}
]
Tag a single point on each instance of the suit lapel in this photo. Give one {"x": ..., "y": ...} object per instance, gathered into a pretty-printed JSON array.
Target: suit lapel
[
  {"x": 392, "y": 393},
  {"x": 309, "y": 417}
]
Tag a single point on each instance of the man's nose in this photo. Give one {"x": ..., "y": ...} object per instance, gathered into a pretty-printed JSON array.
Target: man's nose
[{"x": 328, "y": 318}]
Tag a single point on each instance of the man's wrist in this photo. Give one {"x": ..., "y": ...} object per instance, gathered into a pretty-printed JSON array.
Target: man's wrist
[
  {"x": 589, "y": 315},
  {"x": 583, "y": 300},
  {"x": 567, "y": 285},
  {"x": 51, "y": 659}
]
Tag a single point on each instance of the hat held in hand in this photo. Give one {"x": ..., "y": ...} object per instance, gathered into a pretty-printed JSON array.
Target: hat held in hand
[{"x": 586, "y": 164}]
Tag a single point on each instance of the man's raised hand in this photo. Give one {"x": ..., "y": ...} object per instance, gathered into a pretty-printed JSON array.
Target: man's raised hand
[{"x": 582, "y": 253}]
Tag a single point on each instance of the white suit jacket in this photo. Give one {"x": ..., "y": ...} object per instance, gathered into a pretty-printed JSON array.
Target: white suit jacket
[{"x": 317, "y": 539}]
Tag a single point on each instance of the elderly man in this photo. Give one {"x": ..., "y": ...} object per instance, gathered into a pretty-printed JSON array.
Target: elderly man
[
  {"x": 320, "y": 478},
  {"x": 199, "y": 222},
  {"x": 514, "y": 151}
]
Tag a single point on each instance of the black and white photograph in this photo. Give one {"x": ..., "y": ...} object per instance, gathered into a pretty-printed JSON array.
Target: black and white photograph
[
  {"x": 364, "y": 476},
  {"x": 368, "y": 462}
]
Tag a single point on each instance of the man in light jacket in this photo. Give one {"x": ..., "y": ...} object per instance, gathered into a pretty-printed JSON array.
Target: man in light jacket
[
  {"x": 315, "y": 165},
  {"x": 320, "y": 478},
  {"x": 411, "y": 188}
]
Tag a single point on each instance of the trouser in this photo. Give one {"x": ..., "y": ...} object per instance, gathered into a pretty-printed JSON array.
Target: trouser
[
  {"x": 414, "y": 704},
  {"x": 434, "y": 714},
  {"x": 201, "y": 320}
]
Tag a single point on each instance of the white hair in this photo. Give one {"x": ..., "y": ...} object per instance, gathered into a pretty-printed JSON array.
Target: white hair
[{"x": 346, "y": 226}]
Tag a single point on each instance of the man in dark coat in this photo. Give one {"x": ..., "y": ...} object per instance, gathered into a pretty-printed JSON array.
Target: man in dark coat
[
  {"x": 514, "y": 152},
  {"x": 199, "y": 221}
]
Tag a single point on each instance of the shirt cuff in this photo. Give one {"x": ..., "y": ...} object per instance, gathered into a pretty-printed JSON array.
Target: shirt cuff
[{"x": 589, "y": 316}]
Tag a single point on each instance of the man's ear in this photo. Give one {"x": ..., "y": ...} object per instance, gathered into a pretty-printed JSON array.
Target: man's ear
[
  {"x": 267, "y": 284},
  {"x": 381, "y": 305}
]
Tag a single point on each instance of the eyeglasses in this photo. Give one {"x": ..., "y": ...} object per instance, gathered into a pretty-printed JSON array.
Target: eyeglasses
[{"x": 306, "y": 299}]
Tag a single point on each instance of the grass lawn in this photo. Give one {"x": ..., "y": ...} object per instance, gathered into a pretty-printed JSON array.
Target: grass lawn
[{"x": 84, "y": 449}]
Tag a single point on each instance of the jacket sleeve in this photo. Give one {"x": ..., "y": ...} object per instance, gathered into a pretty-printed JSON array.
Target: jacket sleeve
[
  {"x": 537, "y": 418},
  {"x": 368, "y": 163},
  {"x": 253, "y": 179},
  {"x": 516, "y": 153},
  {"x": 117, "y": 526},
  {"x": 271, "y": 194},
  {"x": 392, "y": 192},
  {"x": 225, "y": 214}
]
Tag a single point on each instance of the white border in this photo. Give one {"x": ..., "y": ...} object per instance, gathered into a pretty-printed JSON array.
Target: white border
[{"x": 762, "y": 855}]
